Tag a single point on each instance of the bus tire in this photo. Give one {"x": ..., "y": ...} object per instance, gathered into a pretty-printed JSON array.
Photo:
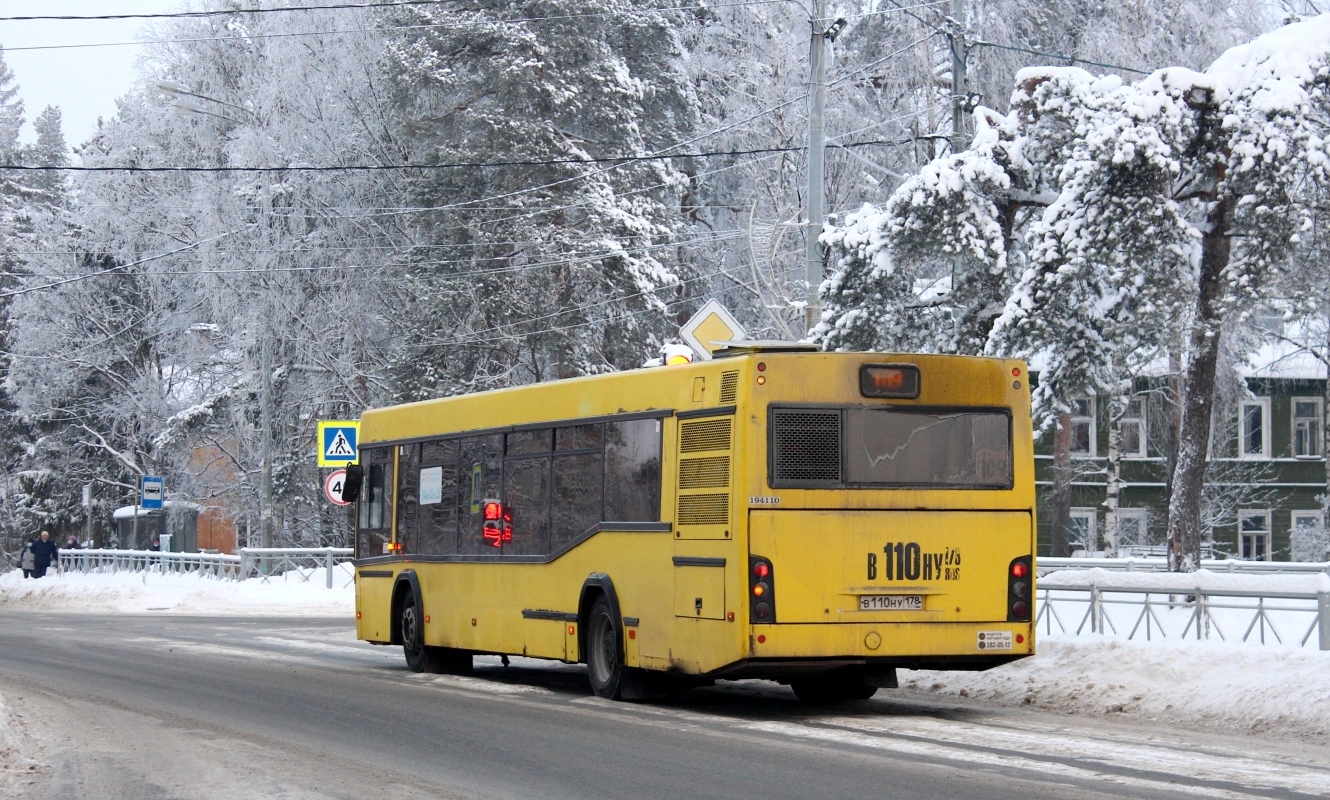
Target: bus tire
[
  {"x": 832, "y": 688},
  {"x": 419, "y": 658},
  {"x": 604, "y": 656}
]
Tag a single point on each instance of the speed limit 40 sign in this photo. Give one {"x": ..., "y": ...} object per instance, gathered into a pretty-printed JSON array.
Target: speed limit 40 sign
[{"x": 332, "y": 487}]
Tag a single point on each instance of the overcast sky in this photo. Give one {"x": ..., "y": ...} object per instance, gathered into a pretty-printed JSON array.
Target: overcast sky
[{"x": 83, "y": 81}]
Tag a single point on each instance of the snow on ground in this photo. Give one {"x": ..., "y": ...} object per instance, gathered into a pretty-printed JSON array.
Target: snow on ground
[
  {"x": 1238, "y": 687},
  {"x": 13, "y": 763},
  {"x": 134, "y": 592}
]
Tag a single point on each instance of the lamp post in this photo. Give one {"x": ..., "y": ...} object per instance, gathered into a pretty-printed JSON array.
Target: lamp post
[{"x": 187, "y": 101}]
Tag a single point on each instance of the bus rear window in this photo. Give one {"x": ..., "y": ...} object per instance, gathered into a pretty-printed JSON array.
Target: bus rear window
[{"x": 891, "y": 447}]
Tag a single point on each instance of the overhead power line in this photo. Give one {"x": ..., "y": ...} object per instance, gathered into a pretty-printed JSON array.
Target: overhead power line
[
  {"x": 1070, "y": 60},
  {"x": 217, "y": 13},
  {"x": 454, "y": 165},
  {"x": 352, "y": 7}
]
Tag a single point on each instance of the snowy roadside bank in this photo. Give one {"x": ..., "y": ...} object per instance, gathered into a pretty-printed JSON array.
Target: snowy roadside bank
[
  {"x": 1212, "y": 684},
  {"x": 139, "y": 592}
]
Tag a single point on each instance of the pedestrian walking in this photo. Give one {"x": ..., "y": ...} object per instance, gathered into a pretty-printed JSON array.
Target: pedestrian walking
[
  {"x": 27, "y": 561},
  {"x": 44, "y": 554}
]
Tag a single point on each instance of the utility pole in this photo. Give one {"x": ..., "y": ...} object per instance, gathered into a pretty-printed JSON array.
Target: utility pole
[
  {"x": 87, "y": 513},
  {"x": 265, "y": 433},
  {"x": 817, "y": 142},
  {"x": 959, "y": 56}
]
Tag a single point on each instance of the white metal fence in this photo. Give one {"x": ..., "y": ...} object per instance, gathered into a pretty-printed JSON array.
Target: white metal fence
[
  {"x": 1156, "y": 564},
  {"x": 263, "y": 563},
  {"x": 1293, "y": 610}
]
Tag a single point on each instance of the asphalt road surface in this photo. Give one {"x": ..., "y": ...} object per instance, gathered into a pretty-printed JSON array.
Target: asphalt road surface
[{"x": 159, "y": 707}]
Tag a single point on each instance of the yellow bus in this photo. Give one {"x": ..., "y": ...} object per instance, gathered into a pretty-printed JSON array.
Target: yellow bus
[{"x": 819, "y": 519}]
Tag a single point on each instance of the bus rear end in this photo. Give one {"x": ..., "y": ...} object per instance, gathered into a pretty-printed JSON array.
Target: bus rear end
[{"x": 891, "y": 523}]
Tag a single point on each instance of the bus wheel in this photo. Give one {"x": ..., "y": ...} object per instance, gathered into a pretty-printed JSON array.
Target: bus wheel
[
  {"x": 419, "y": 658},
  {"x": 832, "y": 688},
  {"x": 604, "y": 660}
]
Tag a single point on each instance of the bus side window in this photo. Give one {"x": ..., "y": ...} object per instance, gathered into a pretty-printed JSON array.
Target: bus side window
[
  {"x": 408, "y": 495},
  {"x": 481, "y": 479},
  {"x": 439, "y": 482},
  {"x": 372, "y": 523},
  {"x": 526, "y": 499},
  {"x": 632, "y": 471}
]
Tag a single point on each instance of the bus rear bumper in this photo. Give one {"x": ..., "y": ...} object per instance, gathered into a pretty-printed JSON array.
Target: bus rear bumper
[{"x": 795, "y": 649}]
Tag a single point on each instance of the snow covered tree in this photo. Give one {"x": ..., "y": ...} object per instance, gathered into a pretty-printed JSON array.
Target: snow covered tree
[
  {"x": 543, "y": 242},
  {"x": 1113, "y": 257}
]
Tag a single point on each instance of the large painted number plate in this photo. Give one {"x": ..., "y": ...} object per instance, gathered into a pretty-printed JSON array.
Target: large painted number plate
[{"x": 891, "y": 602}]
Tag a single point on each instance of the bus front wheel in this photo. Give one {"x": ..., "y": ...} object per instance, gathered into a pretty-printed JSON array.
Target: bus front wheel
[
  {"x": 604, "y": 658},
  {"x": 420, "y": 657},
  {"x": 410, "y": 625}
]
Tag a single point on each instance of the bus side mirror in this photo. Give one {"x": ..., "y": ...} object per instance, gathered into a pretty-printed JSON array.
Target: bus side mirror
[{"x": 355, "y": 476}]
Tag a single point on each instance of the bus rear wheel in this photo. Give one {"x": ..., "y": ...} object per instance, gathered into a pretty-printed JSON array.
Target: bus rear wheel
[
  {"x": 604, "y": 655},
  {"x": 835, "y": 687}
]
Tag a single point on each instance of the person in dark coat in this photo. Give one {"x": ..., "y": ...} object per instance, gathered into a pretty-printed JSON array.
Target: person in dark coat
[{"x": 44, "y": 554}]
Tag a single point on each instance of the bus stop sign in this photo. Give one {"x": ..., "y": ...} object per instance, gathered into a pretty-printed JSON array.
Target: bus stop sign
[{"x": 150, "y": 491}]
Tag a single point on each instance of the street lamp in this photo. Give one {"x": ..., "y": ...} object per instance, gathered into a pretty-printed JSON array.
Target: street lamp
[{"x": 187, "y": 101}]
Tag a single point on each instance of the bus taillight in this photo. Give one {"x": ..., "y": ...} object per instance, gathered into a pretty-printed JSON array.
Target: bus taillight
[
  {"x": 1018, "y": 590},
  {"x": 761, "y": 591}
]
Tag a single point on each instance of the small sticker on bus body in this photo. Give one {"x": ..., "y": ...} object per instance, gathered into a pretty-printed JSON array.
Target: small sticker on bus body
[
  {"x": 994, "y": 640},
  {"x": 763, "y": 501}
]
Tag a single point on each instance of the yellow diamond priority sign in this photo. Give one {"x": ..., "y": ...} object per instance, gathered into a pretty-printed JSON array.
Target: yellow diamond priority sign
[{"x": 709, "y": 327}]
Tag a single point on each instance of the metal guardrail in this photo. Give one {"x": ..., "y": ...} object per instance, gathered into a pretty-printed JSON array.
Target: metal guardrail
[
  {"x": 1200, "y": 604},
  {"x": 1151, "y": 564},
  {"x": 249, "y": 562}
]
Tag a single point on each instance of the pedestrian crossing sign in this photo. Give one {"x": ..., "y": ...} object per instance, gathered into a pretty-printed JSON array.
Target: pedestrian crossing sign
[{"x": 338, "y": 443}]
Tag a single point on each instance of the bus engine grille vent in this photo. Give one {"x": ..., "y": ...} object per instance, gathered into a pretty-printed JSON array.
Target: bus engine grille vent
[
  {"x": 704, "y": 509},
  {"x": 699, "y": 437},
  {"x": 704, "y": 473},
  {"x": 729, "y": 388},
  {"x": 805, "y": 445}
]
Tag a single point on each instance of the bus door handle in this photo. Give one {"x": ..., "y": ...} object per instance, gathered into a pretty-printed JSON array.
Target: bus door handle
[{"x": 697, "y": 605}]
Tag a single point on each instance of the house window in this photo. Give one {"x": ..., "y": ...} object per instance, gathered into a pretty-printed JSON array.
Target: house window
[
  {"x": 1133, "y": 530},
  {"x": 1082, "y": 427},
  {"x": 1254, "y": 428},
  {"x": 1270, "y": 320},
  {"x": 1307, "y": 537},
  {"x": 1308, "y": 435},
  {"x": 1132, "y": 429},
  {"x": 1081, "y": 534},
  {"x": 1254, "y": 535}
]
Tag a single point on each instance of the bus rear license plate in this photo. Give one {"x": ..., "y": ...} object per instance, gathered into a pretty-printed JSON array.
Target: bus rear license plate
[{"x": 891, "y": 602}]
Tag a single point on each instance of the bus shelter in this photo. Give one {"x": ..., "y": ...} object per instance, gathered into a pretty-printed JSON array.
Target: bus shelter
[{"x": 176, "y": 518}]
